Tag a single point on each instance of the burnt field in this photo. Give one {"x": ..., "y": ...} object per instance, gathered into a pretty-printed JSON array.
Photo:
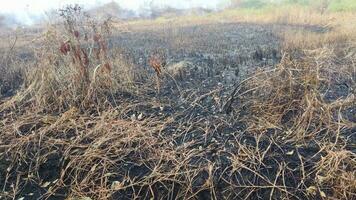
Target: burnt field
[
  {"x": 201, "y": 58},
  {"x": 218, "y": 110}
]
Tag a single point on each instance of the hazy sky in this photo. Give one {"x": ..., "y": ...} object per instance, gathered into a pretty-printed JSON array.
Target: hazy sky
[{"x": 27, "y": 10}]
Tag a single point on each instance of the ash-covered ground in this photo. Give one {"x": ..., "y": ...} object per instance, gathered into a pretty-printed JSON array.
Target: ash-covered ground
[{"x": 202, "y": 59}]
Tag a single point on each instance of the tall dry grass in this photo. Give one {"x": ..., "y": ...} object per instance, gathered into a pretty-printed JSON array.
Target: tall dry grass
[
  {"x": 303, "y": 102},
  {"x": 74, "y": 66}
]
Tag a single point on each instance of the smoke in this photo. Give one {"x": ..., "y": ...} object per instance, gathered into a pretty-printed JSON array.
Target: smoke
[{"x": 30, "y": 12}]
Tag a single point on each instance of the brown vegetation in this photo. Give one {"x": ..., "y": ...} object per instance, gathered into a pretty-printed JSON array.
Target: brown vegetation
[{"x": 86, "y": 124}]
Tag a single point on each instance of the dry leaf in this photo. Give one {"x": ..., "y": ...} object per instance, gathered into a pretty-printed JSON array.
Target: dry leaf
[
  {"x": 312, "y": 190},
  {"x": 140, "y": 116},
  {"x": 117, "y": 185},
  {"x": 322, "y": 194},
  {"x": 46, "y": 184},
  {"x": 321, "y": 179}
]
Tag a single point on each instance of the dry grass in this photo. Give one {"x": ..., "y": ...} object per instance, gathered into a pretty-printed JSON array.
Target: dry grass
[
  {"x": 71, "y": 133},
  {"x": 74, "y": 68},
  {"x": 336, "y": 172},
  {"x": 292, "y": 97},
  {"x": 291, "y": 102}
]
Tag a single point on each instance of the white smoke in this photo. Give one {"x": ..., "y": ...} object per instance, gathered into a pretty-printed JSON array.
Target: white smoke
[{"x": 29, "y": 12}]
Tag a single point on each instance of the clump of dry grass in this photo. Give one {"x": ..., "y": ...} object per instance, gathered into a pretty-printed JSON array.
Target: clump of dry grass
[
  {"x": 292, "y": 98},
  {"x": 82, "y": 153},
  {"x": 336, "y": 174},
  {"x": 75, "y": 67},
  {"x": 299, "y": 102}
]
